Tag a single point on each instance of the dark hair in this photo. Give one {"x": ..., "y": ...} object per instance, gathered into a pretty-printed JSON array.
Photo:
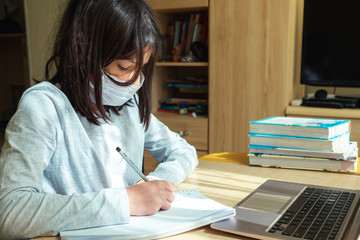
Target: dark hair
[{"x": 92, "y": 34}]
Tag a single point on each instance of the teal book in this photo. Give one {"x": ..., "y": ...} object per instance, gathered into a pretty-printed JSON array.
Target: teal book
[
  {"x": 334, "y": 144},
  {"x": 301, "y": 127},
  {"x": 278, "y": 161},
  {"x": 342, "y": 154}
]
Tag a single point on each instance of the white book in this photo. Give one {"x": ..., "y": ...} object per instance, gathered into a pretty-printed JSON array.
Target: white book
[
  {"x": 278, "y": 161},
  {"x": 177, "y": 33},
  {"x": 197, "y": 32},
  {"x": 190, "y": 210},
  {"x": 301, "y": 127},
  {"x": 335, "y": 144},
  {"x": 343, "y": 154}
]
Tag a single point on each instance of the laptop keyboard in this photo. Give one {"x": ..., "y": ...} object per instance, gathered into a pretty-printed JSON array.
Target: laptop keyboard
[{"x": 316, "y": 214}]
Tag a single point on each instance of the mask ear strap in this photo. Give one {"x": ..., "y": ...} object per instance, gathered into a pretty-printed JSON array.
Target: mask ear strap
[
  {"x": 142, "y": 78},
  {"x": 105, "y": 73}
]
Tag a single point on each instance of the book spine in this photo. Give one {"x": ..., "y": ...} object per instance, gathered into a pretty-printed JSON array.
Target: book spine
[
  {"x": 177, "y": 33},
  {"x": 189, "y": 34}
]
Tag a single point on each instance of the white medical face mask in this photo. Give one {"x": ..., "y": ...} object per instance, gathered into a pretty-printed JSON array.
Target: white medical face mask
[{"x": 113, "y": 94}]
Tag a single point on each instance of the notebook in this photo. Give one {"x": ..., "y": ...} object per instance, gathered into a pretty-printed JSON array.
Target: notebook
[
  {"x": 284, "y": 210},
  {"x": 190, "y": 210}
]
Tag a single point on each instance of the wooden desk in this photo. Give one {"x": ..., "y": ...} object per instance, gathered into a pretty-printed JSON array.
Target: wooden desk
[{"x": 226, "y": 178}]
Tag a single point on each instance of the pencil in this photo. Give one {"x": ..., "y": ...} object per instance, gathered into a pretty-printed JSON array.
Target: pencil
[{"x": 132, "y": 165}]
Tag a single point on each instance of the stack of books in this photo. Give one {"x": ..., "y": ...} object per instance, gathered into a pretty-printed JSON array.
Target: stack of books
[
  {"x": 190, "y": 96},
  {"x": 302, "y": 143}
]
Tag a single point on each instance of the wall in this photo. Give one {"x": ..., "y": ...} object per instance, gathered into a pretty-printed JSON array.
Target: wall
[{"x": 41, "y": 18}]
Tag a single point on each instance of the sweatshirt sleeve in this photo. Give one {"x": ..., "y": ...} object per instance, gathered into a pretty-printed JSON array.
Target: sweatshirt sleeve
[
  {"x": 177, "y": 159},
  {"x": 25, "y": 211}
]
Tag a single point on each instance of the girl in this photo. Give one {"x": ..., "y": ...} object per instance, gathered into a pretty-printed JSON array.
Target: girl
[{"x": 59, "y": 168}]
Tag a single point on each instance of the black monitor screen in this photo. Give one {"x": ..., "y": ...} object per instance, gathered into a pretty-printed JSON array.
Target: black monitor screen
[{"x": 331, "y": 43}]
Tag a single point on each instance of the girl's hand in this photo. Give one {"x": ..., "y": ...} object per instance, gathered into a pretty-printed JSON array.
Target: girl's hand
[{"x": 148, "y": 198}]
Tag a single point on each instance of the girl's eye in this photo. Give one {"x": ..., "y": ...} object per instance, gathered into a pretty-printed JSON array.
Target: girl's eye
[{"x": 123, "y": 68}]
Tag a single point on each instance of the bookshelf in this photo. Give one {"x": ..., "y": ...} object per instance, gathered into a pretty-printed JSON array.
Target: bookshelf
[
  {"x": 178, "y": 5},
  {"x": 250, "y": 67},
  {"x": 167, "y": 13}
]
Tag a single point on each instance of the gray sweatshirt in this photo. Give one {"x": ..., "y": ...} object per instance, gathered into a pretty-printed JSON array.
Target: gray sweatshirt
[{"x": 59, "y": 172}]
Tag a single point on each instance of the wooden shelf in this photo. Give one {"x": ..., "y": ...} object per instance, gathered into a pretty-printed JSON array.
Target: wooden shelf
[
  {"x": 182, "y": 64},
  {"x": 12, "y": 35},
  {"x": 352, "y": 113},
  {"x": 178, "y": 5},
  {"x": 174, "y": 116}
]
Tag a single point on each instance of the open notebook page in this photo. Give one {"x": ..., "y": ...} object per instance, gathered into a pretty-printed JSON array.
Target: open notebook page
[{"x": 190, "y": 210}]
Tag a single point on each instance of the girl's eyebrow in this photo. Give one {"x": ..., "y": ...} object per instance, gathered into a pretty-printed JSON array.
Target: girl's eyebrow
[{"x": 128, "y": 59}]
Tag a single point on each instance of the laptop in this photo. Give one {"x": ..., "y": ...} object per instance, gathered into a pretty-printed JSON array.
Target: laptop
[{"x": 284, "y": 210}]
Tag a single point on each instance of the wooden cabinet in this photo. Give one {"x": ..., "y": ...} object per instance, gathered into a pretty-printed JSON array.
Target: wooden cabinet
[
  {"x": 194, "y": 130},
  {"x": 251, "y": 67}
]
